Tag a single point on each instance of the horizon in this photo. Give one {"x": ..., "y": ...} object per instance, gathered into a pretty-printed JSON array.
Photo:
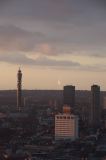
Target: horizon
[{"x": 49, "y": 90}]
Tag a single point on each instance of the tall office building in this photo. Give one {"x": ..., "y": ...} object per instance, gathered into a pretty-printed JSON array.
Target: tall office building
[
  {"x": 69, "y": 95},
  {"x": 104, "y": 103},
  {"x": 19, "y": 89},
  {"x": 66, "y": 125},
  {"x": 95, "y": 106}
]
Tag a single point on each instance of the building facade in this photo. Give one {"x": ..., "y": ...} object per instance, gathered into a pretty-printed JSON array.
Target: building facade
[
  {"x": 19, "y": 89},
  {"x": 66, "y": 127},
  {"x": 69, "y": 95},
  {"x": 95, "y": 106},
  {"x": 104, "y": 102}
]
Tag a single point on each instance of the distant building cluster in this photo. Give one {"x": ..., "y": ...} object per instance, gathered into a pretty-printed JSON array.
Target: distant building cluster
[
  {"x": 94, "y": 110},
  {"x": 67, "y": 123},
  {"x": 52, "y": 124}
]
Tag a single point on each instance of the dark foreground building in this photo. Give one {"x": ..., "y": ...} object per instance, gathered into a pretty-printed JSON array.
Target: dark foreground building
[
  {"x": 69, "y": 95},
  {"x": 95, "y": 106}
]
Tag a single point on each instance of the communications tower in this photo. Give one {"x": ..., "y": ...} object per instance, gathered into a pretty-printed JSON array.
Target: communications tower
[{"x": 19, "y": 89}]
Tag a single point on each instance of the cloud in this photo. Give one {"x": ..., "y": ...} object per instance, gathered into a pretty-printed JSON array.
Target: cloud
[
  {"x": 74, "y": 41},
  {"x": 39, "y": 61},
  {"x": 100, "y": 3},
  {"x": 47, "y": 62},
  {"x": 52, "y": 10},
  {"x": 53, "y": 27},
  {"x": 18, "y": 39}
]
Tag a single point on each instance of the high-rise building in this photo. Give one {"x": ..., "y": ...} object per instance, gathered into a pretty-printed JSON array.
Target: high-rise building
[
  {"x": 69, "y": 96},
  {"x": 95, "y": 106},
  {"x": 66, "y": 126},
  {"x": 104, "y": 102},
  {"x": 19, "y": 89}
]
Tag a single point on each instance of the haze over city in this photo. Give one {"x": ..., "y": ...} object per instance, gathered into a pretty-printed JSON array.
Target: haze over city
[{"x": 55, "y": 42}]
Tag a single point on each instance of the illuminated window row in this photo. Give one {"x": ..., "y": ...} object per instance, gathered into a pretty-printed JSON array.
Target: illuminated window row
[{"x": 64, "y": 117}]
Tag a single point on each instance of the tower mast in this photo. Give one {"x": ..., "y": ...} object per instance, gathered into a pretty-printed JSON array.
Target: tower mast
[{"x": 19, "y": 89}]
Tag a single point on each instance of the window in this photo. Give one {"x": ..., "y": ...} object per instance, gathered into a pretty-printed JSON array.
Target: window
[{"x": 68, "y": 117}]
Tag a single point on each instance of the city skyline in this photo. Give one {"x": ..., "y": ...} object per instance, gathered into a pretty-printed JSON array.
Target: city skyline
[{"x": 55, "y": 43}]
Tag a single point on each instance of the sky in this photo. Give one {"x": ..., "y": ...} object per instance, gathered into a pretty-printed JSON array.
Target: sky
[{"x": 55, "y": 42}]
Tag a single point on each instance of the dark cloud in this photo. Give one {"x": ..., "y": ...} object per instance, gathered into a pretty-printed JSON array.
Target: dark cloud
[
  {"x": 100, "y": 3},
  {"x": 67, "y": 26},
  {"x": 40, "y": 61},
  {"x": 44, "y": 61},
  {"x": 51, "y": 10},
  {"x": 37, "y": 9},
  {"x": 71, "y": 41},
  {"x": 18, "y": 39}
]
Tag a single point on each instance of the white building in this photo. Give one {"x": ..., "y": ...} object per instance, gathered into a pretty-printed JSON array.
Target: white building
[{"x": 66, "y": 126}]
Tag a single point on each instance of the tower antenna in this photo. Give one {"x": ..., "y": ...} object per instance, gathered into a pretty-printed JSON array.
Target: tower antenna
[{"x": 19, "y": 89}]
